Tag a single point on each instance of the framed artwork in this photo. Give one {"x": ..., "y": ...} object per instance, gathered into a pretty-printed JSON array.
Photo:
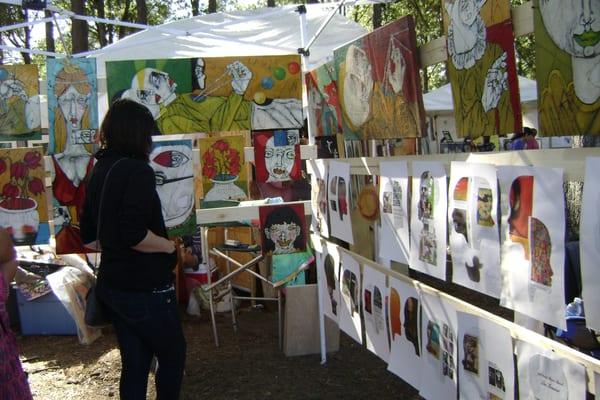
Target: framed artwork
[
  {"x": 277, "y": 156},
  {"x": 379, "y": 85},
  {"x": 19, "y": 103},
  {"x": 567, "y": 56},
  {"x": 324, "y": 112},
  {"x": 23, "y": 204},
  {"x": 283, "y": 228},
  {"x": 213, "y": 94},
  {"x": 482, "y": 67},
  {"x": 173, "y": 165}
]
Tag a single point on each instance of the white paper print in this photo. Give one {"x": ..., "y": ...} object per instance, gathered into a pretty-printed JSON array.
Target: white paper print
[
  {"x": 533, "y": 235},
  {"x": 374, "y": 302},
  {"x": 589, "y": 242},
  {"x": 338, "y": 201},
  {"x": 394, "y": 242},
  {"x": 597, "y": 384},
  {"x": 428, "y": 219},
  {"x": 349, "y": 320},
  {"x": 328, "y": 276},
  {"x": 485, "y": 359},
  {"x": 545, "y": 376},
  {"x": 405, "y": 348},
  {"x": 439, "y": 365},
  {"x": 318, "y": 203},
  {"x": 473, "y": 227}
]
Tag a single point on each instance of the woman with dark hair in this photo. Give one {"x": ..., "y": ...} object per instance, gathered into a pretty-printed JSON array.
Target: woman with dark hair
[
  {"x": 282, "y": 231},
  {"x": 122, "y": 218}
]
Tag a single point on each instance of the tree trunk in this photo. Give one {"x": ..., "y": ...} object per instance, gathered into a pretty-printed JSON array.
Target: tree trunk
[
  {"x": 212, "y": 6},
  {"x": 377, "y": 15},
  {"x": 142, "y": 12},
  {"x": 27, "y": 56},
  {"x": 270, "y": 3},
  {"x": 50, "y": 45},
  {"x": 102, "y": 37},
  {"x": 79, "y": 30},
  {"x": 195, "y": 7},
  {"x": 126, "y": 17}
]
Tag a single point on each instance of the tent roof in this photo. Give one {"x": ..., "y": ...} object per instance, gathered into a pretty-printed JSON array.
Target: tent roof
[
  {"x": 266, "y": 31},
  {"x": 440, "y": 100}
]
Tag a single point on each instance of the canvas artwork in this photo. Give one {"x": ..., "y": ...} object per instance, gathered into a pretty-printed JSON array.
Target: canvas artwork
[
  {"x": 213, "y": 94},
  {"x": 338, "y": 201},
  {"x": 473, "y": 227},
  {"x": 546, "y": 375},
  {"x": 173, "y": 165},
  {"x": 324, "y": 112},
  {"x": 405, "y": 342},
  {"x": 379, "y": 85},
  {"x": 350, "y": 283},
  {"x": 19, "y": 102},
  {"x": 283, "y": 228},
  {"x": 393, "y": 201},
  {"x": 328, "y": 276},
  {"x": 23, "y": 204},
  {"x": 567, "y": 56},
  {"x": 439, "y": 334},
  {"x": 485, "y": 359},
  {"x": 277, "y": 156},
  {"x": 428, "y": 221},
  {"x": 532, "y": 236},
  {"x": 375, "y": 312},
  {"x": 589, "y": 237},
  {"x": 482, "y": 67},
  {"x": 318, "y": 199},
  {"x": 224, "y": 176}
]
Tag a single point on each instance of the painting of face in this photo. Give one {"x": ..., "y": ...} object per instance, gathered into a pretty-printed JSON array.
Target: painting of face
[
  {"x": 283, "y": 229},
  {"x": 279, "y": 161},
  {"x": 73, "y": 105},
  {"x": 358, "y": 86},
  {"x": 276, "y": 156}
]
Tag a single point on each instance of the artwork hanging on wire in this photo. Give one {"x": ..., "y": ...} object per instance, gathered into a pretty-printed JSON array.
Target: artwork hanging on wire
[
  {"x": 338, "y": 201},
  {"x": 589, "y": 237},
  {"x": 328, "y": 276},
  {"x": 277, "y": 155},
  {"x": 405, "y": 341},
  {"x": 428, "y": 221},
  {"x": 23, "y": 204},
  {"x": 19, "y": 103},
  {"x": 350, "y": 283},
  {"x": 379, "y": 85},
  {"x": 473, "y": 224},
  {"x": 173, "y": 165},
  {"x": 325, "y": 116},
  {"x": 319, "y": 209},
  {"x": 482, "y": 67},
  {"x": 567, "y": 58},
  {"x": 283, "y": 228},
  {"x": 532, "y": 236},
  {"x": 374, "y": 304},
  {"x": 213, "y": 94},
  {"x": 73, "y": 124},
  {"x": 224, "y": 176}
]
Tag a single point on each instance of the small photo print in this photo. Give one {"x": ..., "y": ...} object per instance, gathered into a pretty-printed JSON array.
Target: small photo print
[
  {"x": 387, "y": 202},
  {"x": 471, "y": 349},
  {"x": 368, "y": 302},
  {"x": 433, "y": 339},
  {"x": 541, "y": 250},
  {"x": 484, "y": 207},
  {"x": 495, "y": 377}
]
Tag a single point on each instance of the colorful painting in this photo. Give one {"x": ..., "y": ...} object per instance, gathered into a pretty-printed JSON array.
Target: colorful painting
[
  {"x": 277, "y": 156},
  {"x": 324, "y": 112},
  {"x": 379, "y": 84},
  {"x": 19, "y": 102},
  {"x": 567, "y": 38},
  {"x": 213, "y": 94},
  {"x": 283, "y": 228},
  {"x": 482, "y": 67},
  {"x": 224, "y": 176},
  {"x": 23, "y": 205},
  {"x": 173, "y": 165},
  {"x": 73, "y": 124}
]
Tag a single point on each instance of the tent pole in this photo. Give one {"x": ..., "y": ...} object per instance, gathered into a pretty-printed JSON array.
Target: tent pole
[{"x": 324, "y": 25}]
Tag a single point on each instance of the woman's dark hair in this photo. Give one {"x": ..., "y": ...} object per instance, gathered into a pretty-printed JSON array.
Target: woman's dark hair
[
  {"x": 127, "y": 128},
  {"x": 279, "y": 215}
]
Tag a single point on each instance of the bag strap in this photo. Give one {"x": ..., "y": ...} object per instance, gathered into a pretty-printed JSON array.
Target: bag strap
[{"x": 102, "y": 198}]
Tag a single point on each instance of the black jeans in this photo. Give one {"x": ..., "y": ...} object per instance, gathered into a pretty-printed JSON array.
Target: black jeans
[{"x": 147, "y": 324}]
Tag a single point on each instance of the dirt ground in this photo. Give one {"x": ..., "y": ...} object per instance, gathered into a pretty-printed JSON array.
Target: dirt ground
[{"x": 247, "y": 365}]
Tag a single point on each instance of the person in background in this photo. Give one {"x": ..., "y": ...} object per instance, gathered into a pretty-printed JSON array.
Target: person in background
[
  {"x": 530, "y": 141},
  {"x": 13, "y": 381},
  {"x": 135, "y": 277}
]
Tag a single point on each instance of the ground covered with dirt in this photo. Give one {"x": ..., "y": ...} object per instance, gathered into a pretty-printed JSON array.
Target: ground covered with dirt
[{"x": 247, "y": 365}]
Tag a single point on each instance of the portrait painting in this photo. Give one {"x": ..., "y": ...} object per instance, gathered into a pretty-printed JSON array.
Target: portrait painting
[
  {"x": 379, "y": 85},
  {"x": 482, "y": 67},
  {"x": 567, "y": 39},
  {"x": 173, "y": 165},
  {"x": 19, "y": 102},
  {"x": 283, "y": 228},
  {"x": 213, "y": 94},
  {"x": 23, "y": 205},
  {"x": 324, "y": 112},
  {"x": 277, "y": 156}
]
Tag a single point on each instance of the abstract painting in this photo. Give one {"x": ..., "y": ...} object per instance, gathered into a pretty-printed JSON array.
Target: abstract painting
[
  {"x": 283, "y": 228},
  {"x": 19, "y": 102},
  {"x": 213, "y": 94},
  {"x": 350, "y": 282},
  {"x": 23, "y": 204},
  {"x": 374, "y": 309},
  {"x": 324, "y": 112},
  {"x": 567, "y": 42},
  {"x": 277, "y": 156},
  {"x": 379, "y": 84},
  {"x": 482, "y": 67}
]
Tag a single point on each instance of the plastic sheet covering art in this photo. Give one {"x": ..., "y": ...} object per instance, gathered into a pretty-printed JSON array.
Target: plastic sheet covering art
[
  {"x": 375, "y": 312},
  {"x": 19, "y": 103},
  {"x": 213, "y": 94},
  {"x": 350, "y": 283},
  {"x": 482, "y": 68},
  {"x": 277, "y": 155},
  {"x": 325, "y": 115}
]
